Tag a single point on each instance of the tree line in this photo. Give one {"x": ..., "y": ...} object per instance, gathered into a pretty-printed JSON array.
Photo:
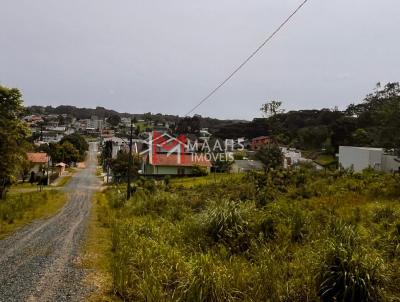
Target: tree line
[
  {"x": 375, "y": 122},
  {"x": 16, "y": 141}
]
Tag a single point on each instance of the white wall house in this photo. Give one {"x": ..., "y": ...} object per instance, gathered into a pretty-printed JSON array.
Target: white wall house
[
  {"x": 291, "y": 156},
  {"x": 360, "y": 158}
]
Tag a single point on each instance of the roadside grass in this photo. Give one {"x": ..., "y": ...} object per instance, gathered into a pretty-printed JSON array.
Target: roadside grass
[
  {"x": 64, "y": 180},
  {"x": 256, "y": 237},
  {"x": 202, "y": 180},
  {"x": 99, "y": 171},
  {"x": 23, "y": 185},
  {"x": 97, "y": 255},
  {"x": 325, "y": 159},
  {"x": 20, "y": 209}
]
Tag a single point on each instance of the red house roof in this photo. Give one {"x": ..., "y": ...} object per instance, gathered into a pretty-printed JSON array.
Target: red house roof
[
  {"x": 37, "y": 157},
  {"x": 261, "y": 138},
  {"x": 186, "y": 160}
]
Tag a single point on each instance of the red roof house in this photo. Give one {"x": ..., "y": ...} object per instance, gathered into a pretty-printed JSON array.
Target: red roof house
[
  {"x": 258, "y": 143},
  {"x": 37, "y": 157},
  {"x": 174, "y": 164}
]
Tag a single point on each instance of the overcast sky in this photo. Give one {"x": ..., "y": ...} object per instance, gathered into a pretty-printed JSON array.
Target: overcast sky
[{"x": 165, "y": 55}]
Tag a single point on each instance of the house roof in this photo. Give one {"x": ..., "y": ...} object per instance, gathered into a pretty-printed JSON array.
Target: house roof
[
  {"x": 186, "y": 160},
  {"x": 261, "y": 138},
  {"x": 61, "y": 165},
  {"x": 38, "y": 157}
]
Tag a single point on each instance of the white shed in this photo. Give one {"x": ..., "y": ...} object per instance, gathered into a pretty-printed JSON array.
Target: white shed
[
  {"x": 360, "y": 158},
  {"x": 390, "y": 163}
]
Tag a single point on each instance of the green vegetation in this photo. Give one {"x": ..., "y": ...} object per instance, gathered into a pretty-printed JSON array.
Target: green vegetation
[
  {"x": 193, "y": 181},
  {"x": 71, "y": 149},
  {"x": 271, "y": 157},
  {"x": 97, "y": 255},
  {"x": 374, "y": 122},
  {"x": 283, "y": 236},
  {"x": 19, "y": 209},
  {"x": 64, "y": 180},
  {"x": 13, "y": 134}
]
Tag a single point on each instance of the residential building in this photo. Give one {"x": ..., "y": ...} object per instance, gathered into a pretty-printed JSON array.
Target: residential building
[
  {"x": 174, "y": 164},
  {"x": 360, "y": 158},
  {"x": 258, "y": 143},
  {"x": 291, "y": 156},
  {"x": 38, "y": 161}
]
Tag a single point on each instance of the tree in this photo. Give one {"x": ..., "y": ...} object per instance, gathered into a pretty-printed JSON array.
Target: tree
[
  {"x": 13, "y": 134},
  {"x": 272, "y": 108},
  {"x": 70, "y": 153},
  {"x": 119, "y": 166},
  {"x": 379, "y": 116},
  {"x": 271, "y": 157},
  {"x": 78, "y": 142},
  {"x": 361, "y": 138},
  {"x": 106, "y": 152},
  {"x": 114, "y": 120},
  {"x": 24, "y": 169}
]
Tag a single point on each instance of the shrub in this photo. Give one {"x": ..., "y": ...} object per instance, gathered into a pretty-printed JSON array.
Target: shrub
[
  {"x": 199, "y": 171},
  {"x": 298, "y": 226},
  {"x": 349, "y": 276},
  {"x": 265, "y": 197},
  {"x": 210, "y": 281},
  {"x": 268, "y": 228},
  {"x": 384, "y": 214},
  {"x": 225, "y": 222}
]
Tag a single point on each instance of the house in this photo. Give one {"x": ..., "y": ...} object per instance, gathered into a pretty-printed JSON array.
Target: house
[
  {"x": 291, "y": 156},
  {"x": 60, "y": 167},
  {"x": 258, "y": 143},
  {"x": 246, "y": 165},
  {"x": 118, "y": 144},
  {"x": 174, "y": 164},
  {"x": 38, "y": 162},
  {"x": 360, "y": 158}
]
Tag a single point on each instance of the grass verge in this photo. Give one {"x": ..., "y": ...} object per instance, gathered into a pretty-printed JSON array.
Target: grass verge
[
  {"x": 20, "y": 209},
  {"x": 96, "y": 255}
]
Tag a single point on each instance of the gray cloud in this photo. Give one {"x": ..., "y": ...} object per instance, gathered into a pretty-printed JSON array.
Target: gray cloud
[{"x": 164, "y": 56}]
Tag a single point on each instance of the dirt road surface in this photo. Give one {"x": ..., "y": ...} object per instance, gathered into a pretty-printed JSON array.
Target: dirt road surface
[{"x": 38, "y": 263}]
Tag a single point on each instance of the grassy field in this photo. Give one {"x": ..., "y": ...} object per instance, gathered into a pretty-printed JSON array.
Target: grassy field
[
  {"x": 325, "y": 159},
  {"x": 203, "y": 180},
  {"x": 19, "y": 209},
  {"x": 97, "y": 254},
  {"x": 289, "y": 236}
]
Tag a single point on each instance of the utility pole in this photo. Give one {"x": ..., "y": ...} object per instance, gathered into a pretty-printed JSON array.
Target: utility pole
[
  {"x": 128, "y": 188},
  {"x": 48, "y": 167}
]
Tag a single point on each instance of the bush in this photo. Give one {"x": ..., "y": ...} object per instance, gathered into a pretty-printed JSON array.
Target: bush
[
  {"x": 210, "y": 281},
  {"x": 268, "y": 228},
  {"x": 349, "y": 276},
  {"x": 199, "y": 171},
  {"x": 225, "y": 222},
  {"x": 298, "y": 226}
]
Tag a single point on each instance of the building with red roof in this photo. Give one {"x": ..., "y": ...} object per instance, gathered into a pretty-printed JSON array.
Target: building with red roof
[
  {"x": 260, "y": 142},
  {"x": 38, "y": 162},
  {"x": 174, "y": 164}
]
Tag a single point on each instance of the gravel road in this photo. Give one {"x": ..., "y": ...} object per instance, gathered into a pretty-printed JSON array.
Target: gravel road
[{"x": 38, "y": 262}]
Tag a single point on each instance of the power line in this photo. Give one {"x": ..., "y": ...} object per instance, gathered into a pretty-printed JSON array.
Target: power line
[{"x": 249, "y": 57}]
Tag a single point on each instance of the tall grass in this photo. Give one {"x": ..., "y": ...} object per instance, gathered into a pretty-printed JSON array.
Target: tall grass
[
  {"x": 329, "y": 237},
  {"x": 19, "y": 209}
]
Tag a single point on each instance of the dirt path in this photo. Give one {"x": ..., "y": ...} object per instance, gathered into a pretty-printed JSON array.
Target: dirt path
[{"x": 37, "y": 263}]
